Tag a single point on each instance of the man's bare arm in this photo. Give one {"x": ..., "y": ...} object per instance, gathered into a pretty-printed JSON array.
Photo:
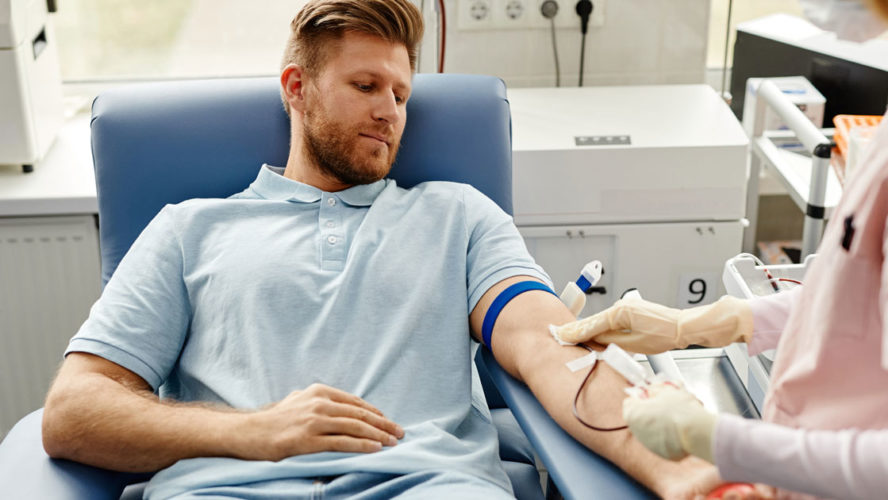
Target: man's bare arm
[
  {"x": 102, "y": 414},
  {"x": 523, "y": 347}
]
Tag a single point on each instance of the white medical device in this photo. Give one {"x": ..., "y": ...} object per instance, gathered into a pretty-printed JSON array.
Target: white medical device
[
  {"x": 746, "y": 277},
  {"x": 651, "y": 180},
  {"x": 31, "y": 110}
]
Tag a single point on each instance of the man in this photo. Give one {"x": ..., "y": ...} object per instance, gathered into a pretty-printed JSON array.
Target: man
[{"x": 286, "y": 328}]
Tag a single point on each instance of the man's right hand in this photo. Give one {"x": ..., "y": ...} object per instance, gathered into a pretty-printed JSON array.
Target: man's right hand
[
  {"x": 319, "y": 418},
  {"x": 102, "y": 414},
  {"x": 649, "y": 328}
]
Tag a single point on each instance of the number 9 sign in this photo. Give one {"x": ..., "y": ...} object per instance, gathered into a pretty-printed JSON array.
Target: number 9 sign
[{"x": 696, "y": 289}]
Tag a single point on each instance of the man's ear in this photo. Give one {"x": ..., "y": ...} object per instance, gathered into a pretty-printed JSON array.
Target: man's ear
[{"x": 293, "y": 85}]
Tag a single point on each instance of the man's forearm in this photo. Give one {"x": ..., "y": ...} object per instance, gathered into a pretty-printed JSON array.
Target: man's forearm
[
  {"x": 524, "y": 348},
  {"x": 555, "y": 386},
  {"x": 102, "y": 414},
  {"x": 97, "y": 421}
]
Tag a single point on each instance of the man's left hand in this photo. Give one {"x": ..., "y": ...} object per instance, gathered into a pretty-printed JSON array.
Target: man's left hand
[{"x": 704, "y": 483}]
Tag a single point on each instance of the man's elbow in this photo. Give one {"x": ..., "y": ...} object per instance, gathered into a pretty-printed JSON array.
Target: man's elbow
[
  {"x": 53, "y": 445},
  {"x": 57, "y": 427}
]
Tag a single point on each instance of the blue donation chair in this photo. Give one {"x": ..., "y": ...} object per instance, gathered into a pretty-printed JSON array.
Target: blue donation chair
[{"x": 162, "y": 143}]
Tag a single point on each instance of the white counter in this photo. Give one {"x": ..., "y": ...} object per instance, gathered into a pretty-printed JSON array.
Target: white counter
[{"x": 62, "y": 184}]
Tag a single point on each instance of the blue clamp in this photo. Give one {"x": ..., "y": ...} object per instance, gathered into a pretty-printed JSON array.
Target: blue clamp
[{"x": 500, "y": 302}]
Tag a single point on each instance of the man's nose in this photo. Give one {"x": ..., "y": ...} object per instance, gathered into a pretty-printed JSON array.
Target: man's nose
[{"x": 386, "y": 108}]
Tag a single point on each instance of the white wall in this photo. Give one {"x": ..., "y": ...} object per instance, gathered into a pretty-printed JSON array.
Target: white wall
[{"x": 641, "y": 42}]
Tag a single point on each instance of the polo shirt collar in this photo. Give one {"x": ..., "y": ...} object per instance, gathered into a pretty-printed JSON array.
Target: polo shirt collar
[{"x": 272, "y": 185}]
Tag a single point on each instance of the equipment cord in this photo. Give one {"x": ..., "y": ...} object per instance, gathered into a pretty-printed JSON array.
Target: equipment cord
[
  {"x": 583, "y": 9},
  {"x": 727, "y": 44},
  {"x": 555, "y": 51},
  {"x": 442, "y": 27},
  {"x": 582, "y": 58}
]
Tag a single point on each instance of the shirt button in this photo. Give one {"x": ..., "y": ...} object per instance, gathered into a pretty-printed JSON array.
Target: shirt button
[
  {"x": 331, "y": 240},
  {"x": 331, "y": 201},
  {"x": 330, "y": 223}
]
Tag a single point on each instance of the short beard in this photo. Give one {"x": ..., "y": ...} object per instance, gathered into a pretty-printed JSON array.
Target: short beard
[{"x": 333, "y": 152}]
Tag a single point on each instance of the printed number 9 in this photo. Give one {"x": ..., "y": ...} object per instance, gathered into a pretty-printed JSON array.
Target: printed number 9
[{"x": 697, "y": 287}]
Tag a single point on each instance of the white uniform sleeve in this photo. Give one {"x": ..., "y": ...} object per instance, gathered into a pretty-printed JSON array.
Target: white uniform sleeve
[
  {"x": 769, "y": 316},
  {"x": 832, "y": 464}
]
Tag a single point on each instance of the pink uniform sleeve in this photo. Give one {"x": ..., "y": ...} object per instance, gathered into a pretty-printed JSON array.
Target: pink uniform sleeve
[
  {"x": 832, "y": 464},
  {"x": 769, "y": 315},
  {"x": 883, "y": 292}
]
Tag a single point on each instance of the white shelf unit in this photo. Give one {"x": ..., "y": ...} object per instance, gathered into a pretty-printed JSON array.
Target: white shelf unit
[
  {"x": 799, "y": 158},
  {"x": 793, "y": 168}
]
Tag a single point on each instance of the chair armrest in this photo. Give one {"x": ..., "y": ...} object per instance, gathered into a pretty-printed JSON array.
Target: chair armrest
[
  {"x": 26, "y": 471},
  {"x": 577, "y": 471}
]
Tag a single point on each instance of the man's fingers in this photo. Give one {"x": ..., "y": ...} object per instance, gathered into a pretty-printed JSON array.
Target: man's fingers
[
  {"x": 347, "y": 444},
  {"x": 341, "y": 396},
  {"x": 355, "y": 428},
  {"x": 734, "y": 491},
  {"x": 332, "y": 402},
  {"x": 765, "y": 492},
  {"x": 360, "y": 414}
]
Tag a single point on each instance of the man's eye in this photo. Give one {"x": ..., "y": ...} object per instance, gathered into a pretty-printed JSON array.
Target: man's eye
[{"x": 363, "y": 87}]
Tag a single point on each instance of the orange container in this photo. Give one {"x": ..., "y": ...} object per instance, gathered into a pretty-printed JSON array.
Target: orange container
[{"x": 844, "y": 124}]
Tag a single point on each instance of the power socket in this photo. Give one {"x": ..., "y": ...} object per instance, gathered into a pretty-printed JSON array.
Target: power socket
[
  {"x": 512, "y": 14},
  {"x": 567, "y": 17},
  {"x": 522, "y": 14},
  {"x": 475, "y": 14}
]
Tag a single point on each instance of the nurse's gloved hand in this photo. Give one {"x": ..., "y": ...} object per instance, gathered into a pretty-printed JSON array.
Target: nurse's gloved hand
[
  {"x": 644, "y": 327},
  {"x": 671, "y": 422}
]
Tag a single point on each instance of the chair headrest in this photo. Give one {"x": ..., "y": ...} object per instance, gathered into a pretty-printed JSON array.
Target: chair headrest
[{"x": 161, "y": 143}]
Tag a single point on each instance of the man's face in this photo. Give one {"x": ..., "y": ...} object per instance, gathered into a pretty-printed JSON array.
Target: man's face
[{"x": 355, "y": 109}]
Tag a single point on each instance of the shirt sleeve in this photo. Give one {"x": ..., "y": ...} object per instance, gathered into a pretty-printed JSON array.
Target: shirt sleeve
[
  {"x": 141, "y": 320},
  {"x": 496, "y": 250},
  {"x": 831, "y": 464},
  {"x": 769, "y": 316},
  {"x": 883, "y": 291}
]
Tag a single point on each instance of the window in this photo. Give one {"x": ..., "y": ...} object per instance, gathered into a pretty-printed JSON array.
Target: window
[
  {"x": 743, "y": 10},
  {"x": 128, "y": 39}
]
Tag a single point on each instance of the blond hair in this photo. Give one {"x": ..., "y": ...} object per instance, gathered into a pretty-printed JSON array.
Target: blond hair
[
  {"x": 323, "y": 22},
  {"x": 881, "y": 7}
]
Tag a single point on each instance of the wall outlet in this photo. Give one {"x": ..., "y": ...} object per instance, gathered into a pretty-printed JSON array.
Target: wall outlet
[
  {"x": 495, "y": 14},
  {"x": 475, "y": 14},
  {"x": 567, "y": 17},
  {"x": 522, "y": 14},
  {"x": 512, "y": 14}
]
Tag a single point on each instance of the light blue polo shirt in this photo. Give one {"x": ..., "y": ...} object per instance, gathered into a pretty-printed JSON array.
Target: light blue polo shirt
[{"x": 241, "y": 301}]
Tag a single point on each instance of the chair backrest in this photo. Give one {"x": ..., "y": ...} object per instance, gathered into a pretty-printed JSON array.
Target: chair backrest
[{"x": 161, "y": 143}]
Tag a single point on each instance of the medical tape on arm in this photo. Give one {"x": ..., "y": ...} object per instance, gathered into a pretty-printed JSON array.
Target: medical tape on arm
[{"x": 500, "y": 302}]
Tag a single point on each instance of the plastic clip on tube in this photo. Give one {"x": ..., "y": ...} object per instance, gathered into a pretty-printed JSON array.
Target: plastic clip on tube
[{"x": 624, "y": 364}]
